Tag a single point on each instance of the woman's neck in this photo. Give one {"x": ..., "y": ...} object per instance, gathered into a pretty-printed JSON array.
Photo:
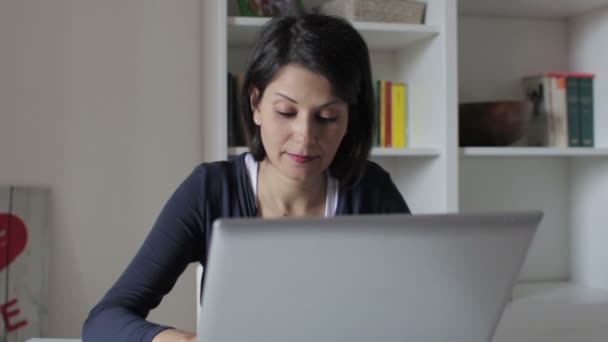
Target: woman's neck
[{"x": 278, "y": 195}]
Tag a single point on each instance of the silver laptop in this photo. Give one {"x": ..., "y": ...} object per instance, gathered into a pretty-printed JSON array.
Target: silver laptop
[{"x": 369, "y": 278}]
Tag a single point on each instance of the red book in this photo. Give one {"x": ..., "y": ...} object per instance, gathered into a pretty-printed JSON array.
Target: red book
[
  {"x": 388, "y": 114},
  {"x": 569, "y": 74}
]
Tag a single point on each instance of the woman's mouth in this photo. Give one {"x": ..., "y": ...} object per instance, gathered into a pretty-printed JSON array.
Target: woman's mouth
[{"x": 301, "y": 159}]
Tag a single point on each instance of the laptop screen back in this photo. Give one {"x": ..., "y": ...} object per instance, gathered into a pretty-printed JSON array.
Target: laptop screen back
[{"x": 363, "y": 278}]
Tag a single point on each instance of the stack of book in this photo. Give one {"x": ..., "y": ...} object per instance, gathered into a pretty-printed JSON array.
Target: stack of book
[
  {"x": 236, "y": 133},
  {"x": 562, "y": 114},
  {"x": 391, "y": 114}
]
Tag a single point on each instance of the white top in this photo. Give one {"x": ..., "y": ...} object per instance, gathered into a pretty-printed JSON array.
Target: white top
[{"x": 331, "y": 197}]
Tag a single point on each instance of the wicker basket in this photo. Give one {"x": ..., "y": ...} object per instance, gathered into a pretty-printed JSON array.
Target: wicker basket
[{"x": 394, "y": 11}]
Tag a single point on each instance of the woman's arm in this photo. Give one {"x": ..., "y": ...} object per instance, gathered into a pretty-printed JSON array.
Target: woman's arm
[
  {"x": 175, "y": 240},
  {"x": 391, "y": 199},
  {"x": 381, "y": 192},
  {"x": 172, "y": 335}
]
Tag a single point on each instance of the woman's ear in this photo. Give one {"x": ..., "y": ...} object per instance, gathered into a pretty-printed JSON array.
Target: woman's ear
[
  {"x": 253, "y": 97},
  {"x": 253, "y": 100}
]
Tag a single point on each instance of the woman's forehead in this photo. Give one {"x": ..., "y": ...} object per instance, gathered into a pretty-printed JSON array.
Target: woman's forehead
[{"x": 294, "y": 81}]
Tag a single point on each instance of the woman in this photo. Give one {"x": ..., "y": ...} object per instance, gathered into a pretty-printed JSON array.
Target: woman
[{"x": 307, "y": 108}]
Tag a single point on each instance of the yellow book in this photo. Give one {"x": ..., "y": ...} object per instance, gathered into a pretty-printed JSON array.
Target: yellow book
[
  {"x": 407, "y": 116},
  {"x": 398, "y": 115},
  {"x": 382, "y": 127}
]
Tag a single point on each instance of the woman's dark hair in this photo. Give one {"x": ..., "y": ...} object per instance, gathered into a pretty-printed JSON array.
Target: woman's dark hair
[{"x": 332, "y": 48}]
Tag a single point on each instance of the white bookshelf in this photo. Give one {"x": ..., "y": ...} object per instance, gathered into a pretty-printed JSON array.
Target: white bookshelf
[
  {"x": 478, "y": 55},
  {"x": 405, "y": 152},
  {"x": 419, "y": 55},
  {"x": 571, "y": 152},
  {"x": 499, "y": 43},
  {"x": 380, "y": 36}
]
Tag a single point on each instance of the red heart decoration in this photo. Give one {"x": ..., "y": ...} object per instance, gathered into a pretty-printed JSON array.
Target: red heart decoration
[{"x": 13, "y": 238}]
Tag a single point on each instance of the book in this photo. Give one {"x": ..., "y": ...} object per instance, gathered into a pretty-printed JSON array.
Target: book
[
  {"x": 382, "y": 112},
  {"x": 236, "y": 132},
  {"x": 388, "y": 114},
  {"x": 572, "y": 93},
  {"x": 540, "y": 131},
  {"x": 558, "y": 111},
  {"x": 398, "y": 114},
  {"x": 586, "y": 111},
  {"x": 238, "y": 121},
  {"x": 575, "y": 108},
  {"x": 580, "y": 107},
  {"x": 391, "y": 105},
  {"x": 407, "y": 115},
  {"x": 231, "y": 131},
  {"x": 376, "y": 132}
]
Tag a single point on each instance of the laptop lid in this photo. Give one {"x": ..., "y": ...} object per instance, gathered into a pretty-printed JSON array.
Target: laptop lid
[{"x": 363, "y": 278}]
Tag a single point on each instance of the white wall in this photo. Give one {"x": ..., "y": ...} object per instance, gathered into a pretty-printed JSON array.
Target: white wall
[
  {"x": 588, "y": 41},
  {"x": 504, "y": 184},
  {"x": 589, "y": 48},
  {"x": 494, "y": 54},
  {"x": 100, "y": 101}
]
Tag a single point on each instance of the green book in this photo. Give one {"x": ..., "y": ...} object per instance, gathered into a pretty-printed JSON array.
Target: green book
[
  {"x": 573, "y": 105},
  {"x": 376, "y": 139},
  {"x": 230, "y": 98},
  {"x": 586, "y": 111}
]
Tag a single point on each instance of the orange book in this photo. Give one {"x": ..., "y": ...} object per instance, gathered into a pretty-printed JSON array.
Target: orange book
[{"x": 381, "y": 127}]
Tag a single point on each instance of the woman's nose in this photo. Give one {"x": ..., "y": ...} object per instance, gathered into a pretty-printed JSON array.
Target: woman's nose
[{"x": 305, "y": 130}]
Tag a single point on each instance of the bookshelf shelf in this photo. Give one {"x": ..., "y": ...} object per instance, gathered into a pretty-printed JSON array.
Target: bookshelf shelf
[
  {"x": 376, "y": 152},
  {"x": 405, "y": 152},
  {"x": 379, "y": 36},
  {"x": 573, "y": 152}
]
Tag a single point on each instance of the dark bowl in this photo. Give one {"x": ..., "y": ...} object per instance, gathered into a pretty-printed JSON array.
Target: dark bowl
[{"x": 497, "y": 123}]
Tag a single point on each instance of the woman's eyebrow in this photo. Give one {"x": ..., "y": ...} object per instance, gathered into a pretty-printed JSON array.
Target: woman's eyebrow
[{"x": 296, "y": 102}]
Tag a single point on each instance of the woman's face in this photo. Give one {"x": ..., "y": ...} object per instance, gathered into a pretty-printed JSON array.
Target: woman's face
[{"x": 302, "y": 122}]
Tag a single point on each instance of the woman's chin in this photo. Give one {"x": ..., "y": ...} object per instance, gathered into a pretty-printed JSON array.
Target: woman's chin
[{"x": 300, "y": 174}]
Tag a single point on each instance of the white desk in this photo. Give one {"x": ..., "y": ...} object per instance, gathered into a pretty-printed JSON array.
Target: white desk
[{"x": 554, "y": 312}]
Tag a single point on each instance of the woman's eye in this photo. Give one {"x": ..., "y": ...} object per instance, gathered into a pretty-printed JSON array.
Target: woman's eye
[
  {"x": 327, "y": 120},
  {"x": 286, "y": 114}
]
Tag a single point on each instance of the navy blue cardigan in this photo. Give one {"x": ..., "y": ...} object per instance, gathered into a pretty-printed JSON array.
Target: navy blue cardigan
[{"x": 181, "y": 235}]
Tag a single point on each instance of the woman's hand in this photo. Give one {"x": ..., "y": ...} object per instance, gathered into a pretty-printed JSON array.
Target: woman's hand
[{"x": 174, "y": 335}]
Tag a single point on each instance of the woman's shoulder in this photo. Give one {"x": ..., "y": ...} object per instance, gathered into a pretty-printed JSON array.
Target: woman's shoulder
[
  {"x": 373, "y": 180},
  {"x": 220, "y": 168},
  {"x": 374, "y": 193},
  {"x": 210, "y": 182},
  {"x": 374, "y": 175},
  {"x": 216, "y": 177}
]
